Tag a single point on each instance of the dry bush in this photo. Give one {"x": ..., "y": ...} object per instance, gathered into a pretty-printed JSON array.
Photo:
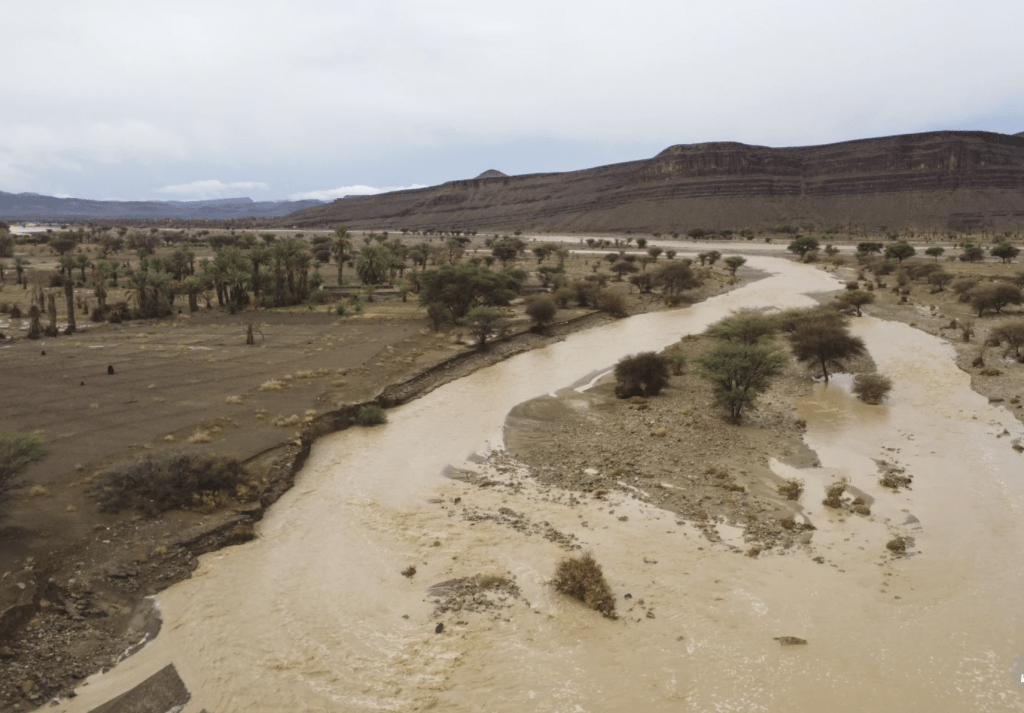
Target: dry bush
[
  {"x": 233, "y": 400},
  {"x": 833, "y": 492},
  {"x": 643, "y": 374},
  {"x": 200, "y": 436},
  {"x": 582, "y": 578},
  {"x": 792, "y": 489},
  {"x": 897, "y": 544},
  {"x": 272, "y": 385},
  {"x": 169, "y": 481},
  {"x": 409, "y": 571},
  {"x": 492, "y": 581},
  {"x": 286, "y": 421},
  {"x": 871, "y": 388}
]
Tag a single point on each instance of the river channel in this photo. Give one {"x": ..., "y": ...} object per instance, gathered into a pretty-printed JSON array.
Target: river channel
[{"x": 313, "y": 615}]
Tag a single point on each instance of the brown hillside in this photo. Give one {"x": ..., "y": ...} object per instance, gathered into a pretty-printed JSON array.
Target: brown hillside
[{"x": 936, "y": 180}]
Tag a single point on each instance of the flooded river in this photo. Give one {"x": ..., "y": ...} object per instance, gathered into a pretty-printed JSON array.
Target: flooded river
[{"x": 314, "y": 615}]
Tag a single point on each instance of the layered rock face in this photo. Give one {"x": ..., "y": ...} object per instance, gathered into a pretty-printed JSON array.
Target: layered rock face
[{"x": 930, "y": 181}]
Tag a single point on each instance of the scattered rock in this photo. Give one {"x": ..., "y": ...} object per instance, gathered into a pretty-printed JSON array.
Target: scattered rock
[
  {"x": 439, "y": 628},
  {"x": 791, "y": 641}
]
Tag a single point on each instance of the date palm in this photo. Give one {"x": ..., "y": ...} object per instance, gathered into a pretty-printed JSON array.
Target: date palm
[{"x": 341, "y": 246}]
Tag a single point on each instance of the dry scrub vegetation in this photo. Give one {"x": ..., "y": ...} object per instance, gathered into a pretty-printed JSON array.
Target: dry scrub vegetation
[
  {"x": 168, "y": 480},
  {"x": 582, "y": 578}
]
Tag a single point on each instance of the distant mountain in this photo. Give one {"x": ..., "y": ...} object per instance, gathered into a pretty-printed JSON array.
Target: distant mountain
[
  {"x": 938, "y": 180},
  {"x": 32, "y": 206}
]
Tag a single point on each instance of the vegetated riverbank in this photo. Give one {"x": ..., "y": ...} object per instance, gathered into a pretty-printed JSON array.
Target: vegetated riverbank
[
  {"x": 995, "y": 372},
  {"x": 79, "y": 606}
]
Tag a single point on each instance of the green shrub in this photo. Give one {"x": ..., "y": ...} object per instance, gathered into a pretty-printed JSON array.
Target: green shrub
[
  {"x": 17, "y": 452},
  {"x": 172, "y": 480},
  {"x": 643, "y": 374},
  {"x": 583, "y": 579},
  {"x": 372, "y": 415},
  {"x": 871, "y": 388},
  {"x": 613, "y": 303},
  {"x": 541, "y": 309}
]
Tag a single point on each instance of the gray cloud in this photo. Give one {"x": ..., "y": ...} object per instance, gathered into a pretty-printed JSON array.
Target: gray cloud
[{"x": 117, "y": 96}]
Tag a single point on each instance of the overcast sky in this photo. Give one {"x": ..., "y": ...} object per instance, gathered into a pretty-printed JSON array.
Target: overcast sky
[{"x": 273, "y": 100}]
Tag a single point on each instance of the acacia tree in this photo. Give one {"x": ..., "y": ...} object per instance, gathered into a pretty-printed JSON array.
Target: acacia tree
[
  {"x": 1005, "y": 252},
  {"x": 483, "y": 320},
  {"x": 675, "y": 277},
  {"x": 803, "y": 245},
  {"x": 739, "y": 372},
  {"x": 993, "y": 296},
  {"x": 935, "y": 252},
  {"x": 900, "y": 251},
  {"x": 461, "y": 287},
  {"x": 745, "y": 326},
  {"x": 856, "y": 299},
  {"x": 734, "y": 263},
  {"x": 1012, "y": 333},
  {"x": 825, "y": 341}
]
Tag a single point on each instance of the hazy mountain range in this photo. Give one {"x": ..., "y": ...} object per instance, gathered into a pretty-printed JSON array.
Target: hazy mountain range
[{"x": 32, "y": 206}]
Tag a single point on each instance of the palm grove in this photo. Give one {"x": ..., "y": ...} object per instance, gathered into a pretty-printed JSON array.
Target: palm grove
[{"x": 246, "y": 270}]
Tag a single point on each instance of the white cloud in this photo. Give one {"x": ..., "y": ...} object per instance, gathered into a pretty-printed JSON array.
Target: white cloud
[
  {"x": 212, "y": 188},
  {"x": 358, "y": 190}
]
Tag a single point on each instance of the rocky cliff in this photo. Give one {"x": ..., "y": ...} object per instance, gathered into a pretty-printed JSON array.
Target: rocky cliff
[{"x": 937, "y": 180}]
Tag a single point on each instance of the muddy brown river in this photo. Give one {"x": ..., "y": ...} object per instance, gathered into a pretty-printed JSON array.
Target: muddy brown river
[{"x": 314, "y": 615}]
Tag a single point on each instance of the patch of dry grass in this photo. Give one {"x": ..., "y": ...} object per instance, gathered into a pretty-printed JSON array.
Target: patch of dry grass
[
  {"x": 200, "y": 436},
  {"x": 272, "y": 385}
]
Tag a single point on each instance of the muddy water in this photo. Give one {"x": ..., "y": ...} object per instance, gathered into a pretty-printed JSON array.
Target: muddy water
[{"x": 311, "y": 615}]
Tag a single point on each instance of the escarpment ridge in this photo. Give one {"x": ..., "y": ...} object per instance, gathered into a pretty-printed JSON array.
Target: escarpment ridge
[{"x": 937, "y": 180}]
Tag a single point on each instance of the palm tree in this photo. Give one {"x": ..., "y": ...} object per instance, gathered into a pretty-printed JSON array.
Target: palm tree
[
  {"x": 19, "y": 265},
  {"x": 340, "y": 247},
  {"x": 82, "y": 262},
  {"x": 258, "y": 255}
]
